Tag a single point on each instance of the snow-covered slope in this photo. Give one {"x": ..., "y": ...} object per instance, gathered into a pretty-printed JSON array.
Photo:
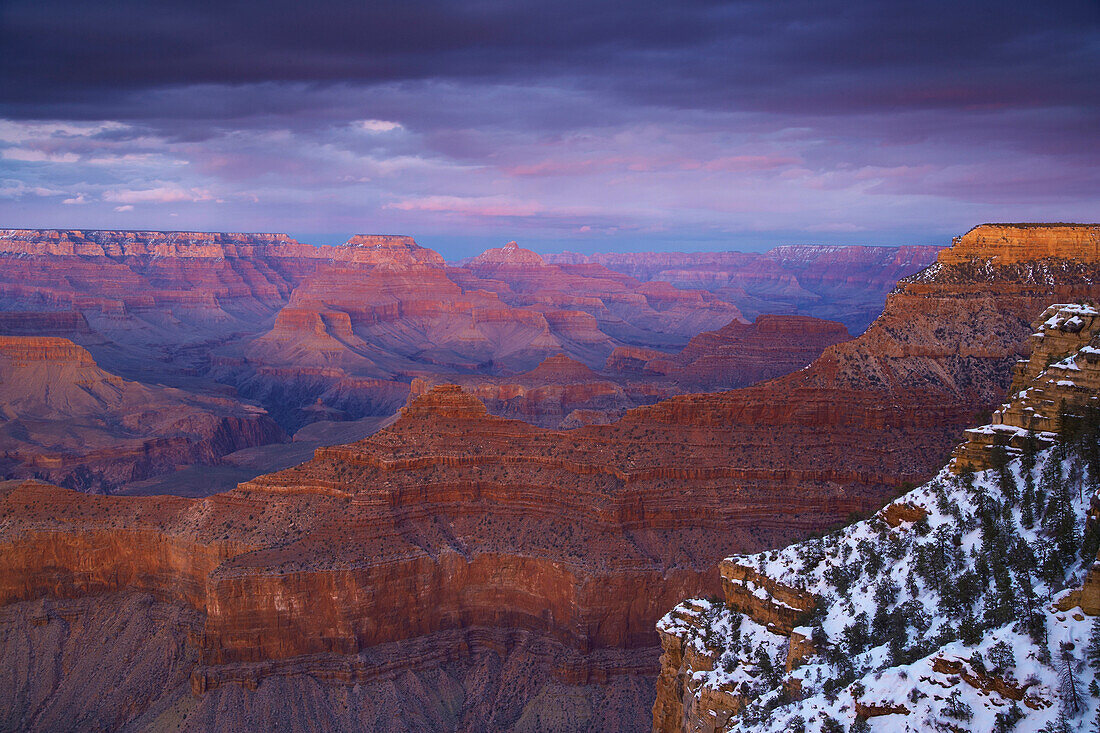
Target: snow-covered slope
[{"x": 956, "y": 608}]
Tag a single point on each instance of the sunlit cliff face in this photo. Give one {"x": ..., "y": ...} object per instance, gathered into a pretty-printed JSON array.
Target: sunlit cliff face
[{"x": 694, "y": 125}]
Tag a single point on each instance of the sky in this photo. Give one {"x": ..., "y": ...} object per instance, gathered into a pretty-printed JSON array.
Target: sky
[{"x": 588, "y": 126}]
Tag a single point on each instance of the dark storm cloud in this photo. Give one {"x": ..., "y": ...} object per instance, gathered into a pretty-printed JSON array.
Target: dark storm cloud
[{"x": 769, "y": 55}]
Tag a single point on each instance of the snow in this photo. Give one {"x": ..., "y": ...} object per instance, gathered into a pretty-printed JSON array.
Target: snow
[
  {"x": 953, "y": 512},
  {"x": 1068, "y": 314}
]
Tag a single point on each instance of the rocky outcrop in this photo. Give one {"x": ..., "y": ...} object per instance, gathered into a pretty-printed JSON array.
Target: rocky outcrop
[
  {"x": 627, "y": 311},
  {"x": 1008, "y": 244},
  {"x": 1062, "y": 376},
  {"x": 563, "y": 392},
  {"x": 509, "y": 255},
  {"x": 559, "y": 392},
  {"x": 769, "y": 603}
]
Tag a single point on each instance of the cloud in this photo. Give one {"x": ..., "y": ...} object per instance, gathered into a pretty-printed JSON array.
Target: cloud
[
  {"x": 76, "y": 200},
  {"x": 378, "y": 125},
  {"x": 157, "y": 195},
  {"x": 18, "y": 131},
  {"x": 127, "y": 207},
  {"x": 15, "y": 189},
  {"x": 486, "y": 206},
  {"x": 37, "y": 156}
]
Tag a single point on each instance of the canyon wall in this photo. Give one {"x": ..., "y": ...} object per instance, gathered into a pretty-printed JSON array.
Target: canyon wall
[{"x": 64, "y": 419}]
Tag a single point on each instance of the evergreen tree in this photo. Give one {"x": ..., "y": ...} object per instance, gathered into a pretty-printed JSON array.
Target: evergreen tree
[
  {"x": 1002, "y": 657},
  {"x": 1007, "y": 721},
  {"x": 1027, "y": 505},
  {"x": 1092, "y": 653},
  {"x": 1070, "y": 683},
  {"x": 970, "y": 631},
  {"x": 1031, "y": 619},
  {"x": 1058, "y": 725}
]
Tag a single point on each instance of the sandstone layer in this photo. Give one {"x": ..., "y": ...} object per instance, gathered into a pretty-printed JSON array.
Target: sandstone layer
[{"x": 562, "y": 392}]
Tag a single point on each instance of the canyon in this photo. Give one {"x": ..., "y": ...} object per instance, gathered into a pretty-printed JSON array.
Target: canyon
[
  {"x": 840, "y": 283},
  {"x": 262, "y": 340},
  {"x": 473, "y": 571}
]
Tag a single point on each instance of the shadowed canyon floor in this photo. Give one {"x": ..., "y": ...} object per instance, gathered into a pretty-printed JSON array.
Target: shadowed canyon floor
[{"x": 457, "y": 549}]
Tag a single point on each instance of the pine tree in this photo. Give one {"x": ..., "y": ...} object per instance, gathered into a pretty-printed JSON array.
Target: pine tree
[
  {"x": 1058, "y": 725},
  {"x": 1092, "y": 653},
  {"x": 970, "y": 631},
  {"x": 1007, "y": 721},
  {"x": 1002, "y": 657},
  {"x": 1033, "y": 621},
  {"x": 1070, "y": 682},
  {"x": 1027, "y": 505}
]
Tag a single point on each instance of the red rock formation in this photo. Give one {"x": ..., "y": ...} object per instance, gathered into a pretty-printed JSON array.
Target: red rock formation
[
  {"x": 1007, "y": 244},
  {"x": 64, "y": 418},
  {"x": 631, "y": 359},
  {"x": 557, "y": 390},
  {"x": 562, "y": 392},
  {"x": 321, "y": 332},
  {"x": 766, "y": 601},
  {"x": 740, "y": 354},
  {"x": 1062, "y": 373},
  {"x": 623, "y": 308}
]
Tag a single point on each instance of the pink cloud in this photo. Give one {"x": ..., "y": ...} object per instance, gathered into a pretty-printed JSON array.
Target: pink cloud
[
  {"x": 480, "y": 206},
  {"x": 158, "y": 195}
]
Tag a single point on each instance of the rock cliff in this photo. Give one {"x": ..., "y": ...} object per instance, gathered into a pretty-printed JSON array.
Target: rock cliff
[
  {"x": 1059, "y": 380},
  {"x": 1006, "y": 244},
  {"x": 739, "y": 354},
  {"x": 65, "y": 419},
  {"x": 325, "y": 333},
  {"x": 935, "y": 614}
]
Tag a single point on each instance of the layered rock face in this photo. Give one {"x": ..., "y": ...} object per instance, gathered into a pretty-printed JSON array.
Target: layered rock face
[
  {"x": 862, "y": 623},
  {"x": 562, "y": 392},
  {"x": 64, "y": 419},
  {"x": 740, "y": 354},
  {"x": 846, "y": 284},
  {"x": 622, "y": 308},
  {"x": 1060, "y": 378},
  {"x": 559, "y": 392},
  {"x": 1007, "y": 244}
]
